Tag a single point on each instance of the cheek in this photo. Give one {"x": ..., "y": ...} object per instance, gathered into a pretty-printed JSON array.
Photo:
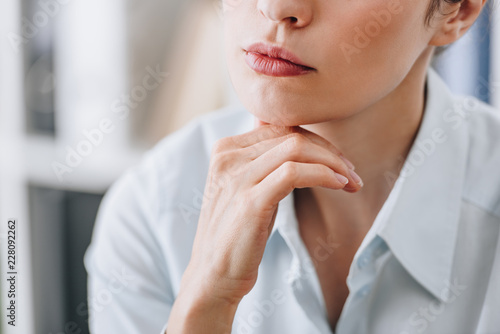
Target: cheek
[
  {"x": 371, "y": 31},
  {"x": 238, "y": 27},
  {"x": 373, "y": 46}
]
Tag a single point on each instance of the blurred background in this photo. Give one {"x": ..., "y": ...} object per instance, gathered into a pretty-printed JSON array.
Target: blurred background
[{"x": 86, "y": 87}]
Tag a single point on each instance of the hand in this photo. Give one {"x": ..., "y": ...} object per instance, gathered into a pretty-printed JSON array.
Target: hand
[{"x": 248, "y": 176}]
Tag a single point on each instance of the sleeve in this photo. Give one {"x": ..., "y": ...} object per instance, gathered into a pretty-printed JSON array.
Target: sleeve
[{"x": 129, "y": 290}]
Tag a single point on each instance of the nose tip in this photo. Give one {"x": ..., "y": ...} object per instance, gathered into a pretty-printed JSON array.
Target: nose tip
[{"x": 297, "y": 13}]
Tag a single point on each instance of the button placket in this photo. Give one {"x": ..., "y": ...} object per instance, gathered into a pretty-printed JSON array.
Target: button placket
[
  {"x": 360, "y": 282},
  {"x": 305, "y": 295},
  {"x": 365, "y": 270}
]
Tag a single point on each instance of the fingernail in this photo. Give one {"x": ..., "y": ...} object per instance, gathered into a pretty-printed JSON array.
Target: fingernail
[
  {"x": 356, "y": 177},
  {"x": 342, "y": 178},
  {"x": 348, "y": 163}
]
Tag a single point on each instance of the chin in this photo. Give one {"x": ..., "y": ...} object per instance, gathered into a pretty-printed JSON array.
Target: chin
[
  {"x": 282, "y": 105},
  {"x": 294, "y": 110},
  {"x": 282, "y": 113}
]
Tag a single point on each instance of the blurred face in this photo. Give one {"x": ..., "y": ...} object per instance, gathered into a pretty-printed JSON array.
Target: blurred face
[{"x": 297, "y": 62}]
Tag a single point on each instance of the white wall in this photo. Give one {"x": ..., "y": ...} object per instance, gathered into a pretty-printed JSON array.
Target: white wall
[{"x": 13, "y": 195}]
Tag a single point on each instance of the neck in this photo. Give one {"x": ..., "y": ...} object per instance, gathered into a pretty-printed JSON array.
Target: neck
[{"x": 389, "y": 128}]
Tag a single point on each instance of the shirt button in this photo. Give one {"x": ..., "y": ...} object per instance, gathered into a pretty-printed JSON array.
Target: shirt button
[
  {"x": 364, "y": 291},
  {"x": 363, "y": 261},
  {"x": 378, "y": 251}
]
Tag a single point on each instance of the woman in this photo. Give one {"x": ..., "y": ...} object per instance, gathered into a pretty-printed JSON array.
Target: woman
[{"x": 363, "y": 199}]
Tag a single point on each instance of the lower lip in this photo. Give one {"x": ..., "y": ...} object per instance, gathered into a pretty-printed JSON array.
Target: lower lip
[{"x": 275, "y": 67}]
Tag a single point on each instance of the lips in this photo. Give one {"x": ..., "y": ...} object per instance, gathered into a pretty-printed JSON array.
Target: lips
[{"x": 274, "y": 61}]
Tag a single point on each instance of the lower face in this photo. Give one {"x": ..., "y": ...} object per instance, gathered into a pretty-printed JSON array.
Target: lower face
[{"x": 360, "y": 51}]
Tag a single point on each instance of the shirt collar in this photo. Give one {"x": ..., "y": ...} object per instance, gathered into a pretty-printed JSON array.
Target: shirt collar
[{"x": 421, "y": 229}]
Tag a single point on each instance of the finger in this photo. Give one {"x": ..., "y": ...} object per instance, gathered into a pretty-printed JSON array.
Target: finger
[
  {"x": 258, "y": 122},
  {"x": 259, "y": 148},
  {"x": 289, "y": 176},
  {"x": 298, "y": 148},
  {"x": 243, "y": 140},
  {"x": 264, "y": 131}
]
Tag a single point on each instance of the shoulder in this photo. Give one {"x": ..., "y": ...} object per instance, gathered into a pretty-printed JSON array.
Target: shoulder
[{"x": 482, "y": 186}]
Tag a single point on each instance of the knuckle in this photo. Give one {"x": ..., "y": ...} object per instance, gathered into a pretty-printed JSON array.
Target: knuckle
[
  {"x": 329, "y": 179},
  {"x": 220, "y": 162},
  {"x": 294, "y": 145},
  {"x": 255, "y": 203},
  {"x": 221, "y": 145},
  {"x": 288, "y": 171}
]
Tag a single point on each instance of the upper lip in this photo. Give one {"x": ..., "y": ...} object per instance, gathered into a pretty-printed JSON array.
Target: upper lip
[{"x": 276, "y": 52}]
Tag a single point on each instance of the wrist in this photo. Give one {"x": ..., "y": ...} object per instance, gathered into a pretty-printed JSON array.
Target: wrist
[
  {"x": 213, "y": 289},
  {"x": 201, "y": 313}
]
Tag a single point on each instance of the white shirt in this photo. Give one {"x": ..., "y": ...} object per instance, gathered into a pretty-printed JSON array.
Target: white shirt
[{"x": 429, "y": 264}]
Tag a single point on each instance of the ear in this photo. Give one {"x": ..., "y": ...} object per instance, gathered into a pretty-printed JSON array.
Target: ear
[{"x": 454, "y": 20}]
